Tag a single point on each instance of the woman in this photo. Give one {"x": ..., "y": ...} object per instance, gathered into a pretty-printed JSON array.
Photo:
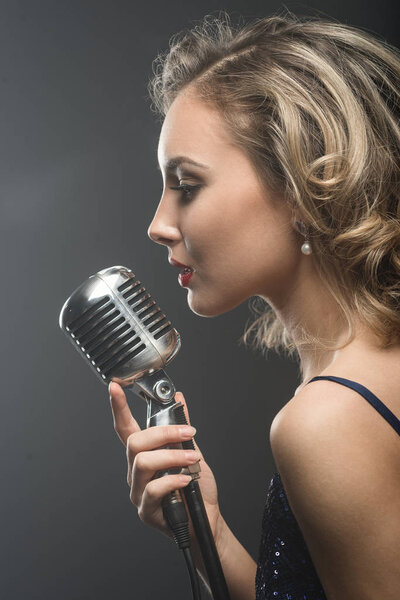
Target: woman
[{"x": 279, "y": 152}]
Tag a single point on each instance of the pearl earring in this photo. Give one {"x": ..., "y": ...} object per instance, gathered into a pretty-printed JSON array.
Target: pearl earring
[{"x": 306, "y": 247}]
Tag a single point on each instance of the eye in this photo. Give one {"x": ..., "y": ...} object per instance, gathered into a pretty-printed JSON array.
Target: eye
[{"x": 188, "y": 190}]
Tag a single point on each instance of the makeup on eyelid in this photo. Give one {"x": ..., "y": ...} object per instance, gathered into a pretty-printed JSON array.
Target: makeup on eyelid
[{"x": 186, "y": 188}]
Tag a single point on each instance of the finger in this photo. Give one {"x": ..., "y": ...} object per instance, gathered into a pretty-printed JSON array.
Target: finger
[
  {"x": 147, "y": 464},
  {"x": 155, "y": 492},
  {"x": 124, "y": 423},
  {"x": 156, "y": 437}
]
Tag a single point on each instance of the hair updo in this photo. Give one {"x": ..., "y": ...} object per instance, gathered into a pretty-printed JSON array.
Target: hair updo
[{"x": 315, "y": 106}]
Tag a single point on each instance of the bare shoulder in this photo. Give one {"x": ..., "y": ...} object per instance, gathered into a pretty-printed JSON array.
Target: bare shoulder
[
  {"x": 328, "y": 414},
  {"x": 336, "y": 456}
]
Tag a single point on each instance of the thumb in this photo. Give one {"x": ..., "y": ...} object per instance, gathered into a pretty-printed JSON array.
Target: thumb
[{"x": 124, "y": 421}]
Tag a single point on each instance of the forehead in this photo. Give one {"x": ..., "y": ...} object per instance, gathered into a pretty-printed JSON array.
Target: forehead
[{"x": 192, "y": 127}]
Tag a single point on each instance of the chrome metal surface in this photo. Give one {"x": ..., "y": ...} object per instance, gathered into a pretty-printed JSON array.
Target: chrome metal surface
[
  {"x": 156, "y": 385},
  {"x": 116, "y": 325}
]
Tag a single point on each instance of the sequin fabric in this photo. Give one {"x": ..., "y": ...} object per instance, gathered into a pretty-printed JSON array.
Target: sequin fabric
[{"x": 284, "y": 570}]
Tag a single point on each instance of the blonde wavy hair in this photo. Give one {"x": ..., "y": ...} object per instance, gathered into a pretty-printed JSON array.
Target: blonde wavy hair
[{"x": 315, "y": 106}]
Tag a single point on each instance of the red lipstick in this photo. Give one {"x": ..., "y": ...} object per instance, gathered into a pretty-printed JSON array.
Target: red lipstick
[
  {"x": 185, "y": 276},
  {"x": 186, "y": 273},
  {"x": 175, "y": 263}
]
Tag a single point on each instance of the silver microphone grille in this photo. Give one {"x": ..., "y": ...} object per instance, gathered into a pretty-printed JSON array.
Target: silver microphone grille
[{"x": 116, "y": 325}]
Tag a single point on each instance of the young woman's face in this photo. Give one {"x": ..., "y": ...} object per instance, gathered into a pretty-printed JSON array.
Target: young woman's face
[{"x": 238, "y": 238}]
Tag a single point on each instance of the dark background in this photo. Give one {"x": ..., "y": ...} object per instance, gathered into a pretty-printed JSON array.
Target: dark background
[{"x": 79, "y": 187}]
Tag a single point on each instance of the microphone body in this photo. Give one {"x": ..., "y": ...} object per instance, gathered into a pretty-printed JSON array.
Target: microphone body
[{"x": 118, "y": 328}]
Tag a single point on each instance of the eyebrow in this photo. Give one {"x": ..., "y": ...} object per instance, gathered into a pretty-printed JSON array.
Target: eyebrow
[{"x": 176, "y": 161}]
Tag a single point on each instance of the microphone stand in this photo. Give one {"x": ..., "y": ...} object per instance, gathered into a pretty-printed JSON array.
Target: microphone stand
[{"x": 162, "y": 409}]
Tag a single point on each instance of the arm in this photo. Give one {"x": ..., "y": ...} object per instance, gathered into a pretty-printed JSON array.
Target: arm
[{"x": 238, "y": 566}]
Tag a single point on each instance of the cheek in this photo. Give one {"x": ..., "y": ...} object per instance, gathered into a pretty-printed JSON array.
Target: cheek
[
  {"x": 240, "y": 247},
  {"x": 205, "y": 234},
  {"x": 248, "y": 241}
]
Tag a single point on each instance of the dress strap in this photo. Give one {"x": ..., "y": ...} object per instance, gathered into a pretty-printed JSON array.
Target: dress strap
[{"x": 369, "y": 396}]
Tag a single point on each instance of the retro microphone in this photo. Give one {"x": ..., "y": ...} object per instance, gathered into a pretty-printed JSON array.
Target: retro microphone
[{"x": 122, "y": 334}]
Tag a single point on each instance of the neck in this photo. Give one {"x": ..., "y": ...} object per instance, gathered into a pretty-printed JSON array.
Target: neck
[{"x": 309, "y": 311}]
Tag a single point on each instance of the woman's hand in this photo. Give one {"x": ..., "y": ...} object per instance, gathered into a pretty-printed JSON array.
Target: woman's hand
[{"x": 146, "y": 455}]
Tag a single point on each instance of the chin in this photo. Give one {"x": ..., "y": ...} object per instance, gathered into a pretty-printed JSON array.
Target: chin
[{"x": 209, "y": 308}]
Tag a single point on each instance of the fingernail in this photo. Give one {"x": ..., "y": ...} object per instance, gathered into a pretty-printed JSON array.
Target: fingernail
[
  {"x": 185, "y": 478},
  {"x": 192, "y": 456},
  {"x": 188, "y": 431}
]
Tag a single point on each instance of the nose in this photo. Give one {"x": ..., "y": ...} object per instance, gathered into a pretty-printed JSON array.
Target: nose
[{"x": 162, "y": 229}]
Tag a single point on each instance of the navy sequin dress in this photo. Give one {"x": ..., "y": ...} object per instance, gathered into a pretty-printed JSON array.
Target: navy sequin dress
[{"x": 285, "y": 570}]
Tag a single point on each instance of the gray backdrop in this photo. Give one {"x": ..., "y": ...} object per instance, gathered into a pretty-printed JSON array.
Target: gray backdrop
[{"x": 79, "y": 187}]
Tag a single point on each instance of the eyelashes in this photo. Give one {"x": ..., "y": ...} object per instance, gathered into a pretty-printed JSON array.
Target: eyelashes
[{"x": 186, "y": 189}]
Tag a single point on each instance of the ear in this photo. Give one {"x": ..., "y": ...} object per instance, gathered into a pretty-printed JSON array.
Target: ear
[{"x": 300, "y": 226}]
